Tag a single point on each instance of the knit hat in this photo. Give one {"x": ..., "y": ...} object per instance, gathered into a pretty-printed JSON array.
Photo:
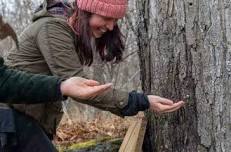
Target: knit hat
[{"x": 108, "y": 8}]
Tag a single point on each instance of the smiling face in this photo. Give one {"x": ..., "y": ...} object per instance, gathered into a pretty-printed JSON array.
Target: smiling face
[{"x": 100, "y": 24}]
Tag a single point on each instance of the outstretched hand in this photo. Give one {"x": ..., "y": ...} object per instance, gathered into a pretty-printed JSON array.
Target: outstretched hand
[
  {"x": 82, "y": 88},
  {"x": 162, "y": 105}
]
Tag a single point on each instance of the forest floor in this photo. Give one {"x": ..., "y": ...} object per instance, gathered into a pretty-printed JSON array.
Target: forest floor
[{"x": 69, "y": 134}]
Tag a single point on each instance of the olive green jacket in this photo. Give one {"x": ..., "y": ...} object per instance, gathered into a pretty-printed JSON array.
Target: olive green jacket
[{"x": 47, "y": 47}]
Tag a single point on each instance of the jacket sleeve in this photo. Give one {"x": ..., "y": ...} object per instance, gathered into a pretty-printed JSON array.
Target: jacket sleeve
[
  {"x": 21, "y": 87},
  {"x": 56, "y": 43}
]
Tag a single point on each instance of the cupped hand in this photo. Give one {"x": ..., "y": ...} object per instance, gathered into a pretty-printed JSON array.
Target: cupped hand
[
  {"x": 77, "y": 87},
  {"x": 162, "y": 105}
]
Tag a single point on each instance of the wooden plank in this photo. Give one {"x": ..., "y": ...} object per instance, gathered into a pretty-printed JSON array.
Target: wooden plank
[
  {"x": 131, "y": 145},
  {"x": 134, "y": 137},
  {"x": 127, "y": 136},
  {"x": 142, "y": 130}
]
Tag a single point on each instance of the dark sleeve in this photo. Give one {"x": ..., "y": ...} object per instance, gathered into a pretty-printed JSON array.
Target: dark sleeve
[
  {"x": 17, "y": 86},
  {"x": 136, "y": 102}
]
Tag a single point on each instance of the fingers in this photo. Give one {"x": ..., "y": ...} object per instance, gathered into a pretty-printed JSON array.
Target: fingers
[
  {"x": 104, "y": 87},
  {"x": 97, "y": 90},
  {"x": 165, "y": 101},
  {"x": 164, "y": 108},
  {"x": 91, "y": 82},
  {"x": 160, "y": 100},
  {"x": 175, "y": 107}
]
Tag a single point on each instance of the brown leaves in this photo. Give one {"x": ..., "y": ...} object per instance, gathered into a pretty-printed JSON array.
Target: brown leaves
[{"x": 79, "y": 132}]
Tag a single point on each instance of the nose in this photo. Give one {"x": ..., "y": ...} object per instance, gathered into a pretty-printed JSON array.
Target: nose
[{"x": 110, "y": 25}]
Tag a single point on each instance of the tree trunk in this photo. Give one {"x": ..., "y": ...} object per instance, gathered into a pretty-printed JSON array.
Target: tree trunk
[{"x": 185, "y": 51}]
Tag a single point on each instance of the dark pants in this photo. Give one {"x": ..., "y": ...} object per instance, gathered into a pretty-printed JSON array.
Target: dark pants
[{"x": 29, "y": 137}]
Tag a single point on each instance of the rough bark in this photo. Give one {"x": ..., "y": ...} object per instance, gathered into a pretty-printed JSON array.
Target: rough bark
[{"x": 185, "y": 49}]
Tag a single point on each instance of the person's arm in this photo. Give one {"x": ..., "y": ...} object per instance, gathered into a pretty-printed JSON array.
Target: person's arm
[
  {"x": 17, "y": 87},
  {"x": 22, "y": 87}
]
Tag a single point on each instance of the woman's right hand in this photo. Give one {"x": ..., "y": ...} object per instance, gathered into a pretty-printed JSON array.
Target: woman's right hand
[
  {"x": 162, "y": 105},
  {"x": 77, "y": 87}
]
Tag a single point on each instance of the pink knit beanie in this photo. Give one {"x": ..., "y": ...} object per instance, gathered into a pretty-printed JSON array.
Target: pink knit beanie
[{"x": 108, "y": 8}]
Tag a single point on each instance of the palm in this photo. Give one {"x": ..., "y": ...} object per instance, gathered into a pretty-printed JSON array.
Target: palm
[
  {"x": 163, "y": 105},
  {"x": 87, "y": 90},
  {"x": 77, "y": 87}
]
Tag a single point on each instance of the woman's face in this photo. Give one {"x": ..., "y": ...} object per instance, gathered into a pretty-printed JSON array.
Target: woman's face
[{"x": 100, "y": 24}]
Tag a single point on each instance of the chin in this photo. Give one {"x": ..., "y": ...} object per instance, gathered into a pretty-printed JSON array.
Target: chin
[{"x": 97, "y": 36}]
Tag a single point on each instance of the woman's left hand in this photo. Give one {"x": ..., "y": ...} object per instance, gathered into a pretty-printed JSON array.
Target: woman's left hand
[{"x": 162, "y": 105}]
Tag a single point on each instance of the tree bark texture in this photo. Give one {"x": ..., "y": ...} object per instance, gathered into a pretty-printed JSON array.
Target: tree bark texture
[{"x": 185, "y": 51}]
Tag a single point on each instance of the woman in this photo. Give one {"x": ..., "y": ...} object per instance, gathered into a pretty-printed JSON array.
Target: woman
[
  {"x": 18, "y": 87},
  {"x": 57, "y": 44}
]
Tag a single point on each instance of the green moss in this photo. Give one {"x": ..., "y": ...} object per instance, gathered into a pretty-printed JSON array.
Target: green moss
[
  {"x": 83, "y": 145},
  {"x": 89, "y": 144}
]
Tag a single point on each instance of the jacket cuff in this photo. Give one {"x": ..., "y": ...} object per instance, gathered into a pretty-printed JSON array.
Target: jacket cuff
[
  {"x": 136, "y": 102},
  {"x": 59, "y": 94}
]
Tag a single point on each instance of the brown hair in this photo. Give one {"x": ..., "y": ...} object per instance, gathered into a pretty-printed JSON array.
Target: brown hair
[{"x": 110, "y": 46}]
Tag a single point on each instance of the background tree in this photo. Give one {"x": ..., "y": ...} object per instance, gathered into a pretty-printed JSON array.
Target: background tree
[{"x": 185, "y": 50}]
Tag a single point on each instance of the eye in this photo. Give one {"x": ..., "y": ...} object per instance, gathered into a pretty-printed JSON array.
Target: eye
[{"x": 110, "y": 19}]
